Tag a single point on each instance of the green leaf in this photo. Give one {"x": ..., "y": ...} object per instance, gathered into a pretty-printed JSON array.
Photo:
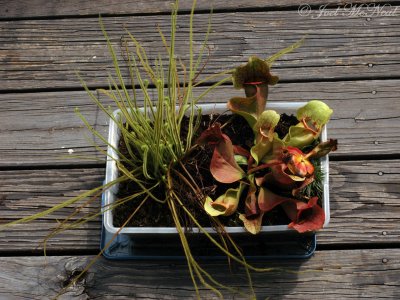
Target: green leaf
[
  {"x": 251, "y": 107},
  {"x": 266, "y": 123},
  {"x": 277, "y": 145},
  {"x": 210, "y": 209},
  {"x": 316, "y": 111},
  {"x": 312, "y": 116},
  {"x": 252, "y": 225},
  {"x": 264, "y": 129},
  {"x": 225, "y": 204},
  {"x": 241, "y": 160},
  {"x": 260, "y": 150},
  {"x": 299, "y": 136}
]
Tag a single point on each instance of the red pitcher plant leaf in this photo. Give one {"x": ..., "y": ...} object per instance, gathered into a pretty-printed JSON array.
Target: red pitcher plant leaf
[
  {"x": 268, "y": 200},
  {"x": 295, "y": 168},
  {"x": 283, "y": 179},
  {"x": 211, "y": 136},
  {"x": 241, "y": 151},
  {"x": 251, "y": 207},
  {"x": 223, "y": 167},
  {"x": 298, "y": 164},
  {"x": 323, "y": 149},
  {"x": 305, "y": 216}
]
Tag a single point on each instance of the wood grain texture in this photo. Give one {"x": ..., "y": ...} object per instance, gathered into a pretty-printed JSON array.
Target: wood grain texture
[
  {"x": 344, "y": 274},
  {"x": 364, "y": 203},
  {"x": 365, "y": 206},
  {"x": 39, "y": 54},
  {"x": 350, "y": 60},
  {"x": 43, "y": 8},
  {"x": 24, "y": 193},
  {"x": 40, "y": 128}
]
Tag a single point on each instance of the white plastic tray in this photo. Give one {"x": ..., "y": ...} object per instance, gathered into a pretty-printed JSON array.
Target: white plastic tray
[{"x": 112, "y": 174}]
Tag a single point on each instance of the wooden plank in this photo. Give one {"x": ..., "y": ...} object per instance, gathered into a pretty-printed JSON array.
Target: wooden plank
[
  {"x": 25, "y": 192},
  {"x": 366, "y": 120},
  {"x": 365, "y": 207},
  {"x": 43, "y": 8},
  {"x": 364, "y": 203},
  {"x": 344, "y": 274},
  {"x": 47, "y": 53}
]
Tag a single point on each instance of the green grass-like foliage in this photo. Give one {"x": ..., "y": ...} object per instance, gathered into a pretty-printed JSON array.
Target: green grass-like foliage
[{"x": 151, "y": 130}]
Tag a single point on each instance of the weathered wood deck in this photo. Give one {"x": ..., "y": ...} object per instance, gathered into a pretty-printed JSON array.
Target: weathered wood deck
[{"x": 349, "y": 61}]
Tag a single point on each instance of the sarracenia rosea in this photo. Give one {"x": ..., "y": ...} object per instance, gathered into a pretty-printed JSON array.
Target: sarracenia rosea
[{"x": 276, "y": 170}]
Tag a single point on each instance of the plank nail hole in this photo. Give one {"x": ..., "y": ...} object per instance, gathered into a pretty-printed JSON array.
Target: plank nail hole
[
  {"x": 373, "y": 92},
  {"x": 385, "y": 260},
  {"x": 380, "y": 173},
  {"x": 370, "y": 65},
  {"x": 376, "y": 142},
  {"x": 384, "y": 233},
  {"x": 71, "y": 277}
]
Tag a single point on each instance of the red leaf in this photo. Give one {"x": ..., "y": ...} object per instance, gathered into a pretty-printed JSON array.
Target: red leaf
[
  {"x": 281, "y": 177},
  {"x": 290, "y": 209},
  {"x": 310, "y": 216},
  {"x": 223, "y": 167},
  {"x": 323, "y": 149},
  {"x": 267, "y": 200},
  {"x": 241, "y": 151},
  {"x": 211, "y": 136},
  {"x": 251, "y": 207}
]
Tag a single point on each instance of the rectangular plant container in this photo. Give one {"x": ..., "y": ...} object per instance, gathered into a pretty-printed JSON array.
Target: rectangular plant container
[{"x": 109, "y": 195}]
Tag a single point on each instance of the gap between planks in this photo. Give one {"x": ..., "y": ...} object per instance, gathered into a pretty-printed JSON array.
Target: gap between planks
[
  {"x": 344, "y": 274},
  {"x": 364, "y": 206}
]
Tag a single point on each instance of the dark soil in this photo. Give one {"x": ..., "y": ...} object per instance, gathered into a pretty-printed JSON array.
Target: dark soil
[
  {"x": 154, "y": 214},
  {"x": 284, "y": 123}
]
